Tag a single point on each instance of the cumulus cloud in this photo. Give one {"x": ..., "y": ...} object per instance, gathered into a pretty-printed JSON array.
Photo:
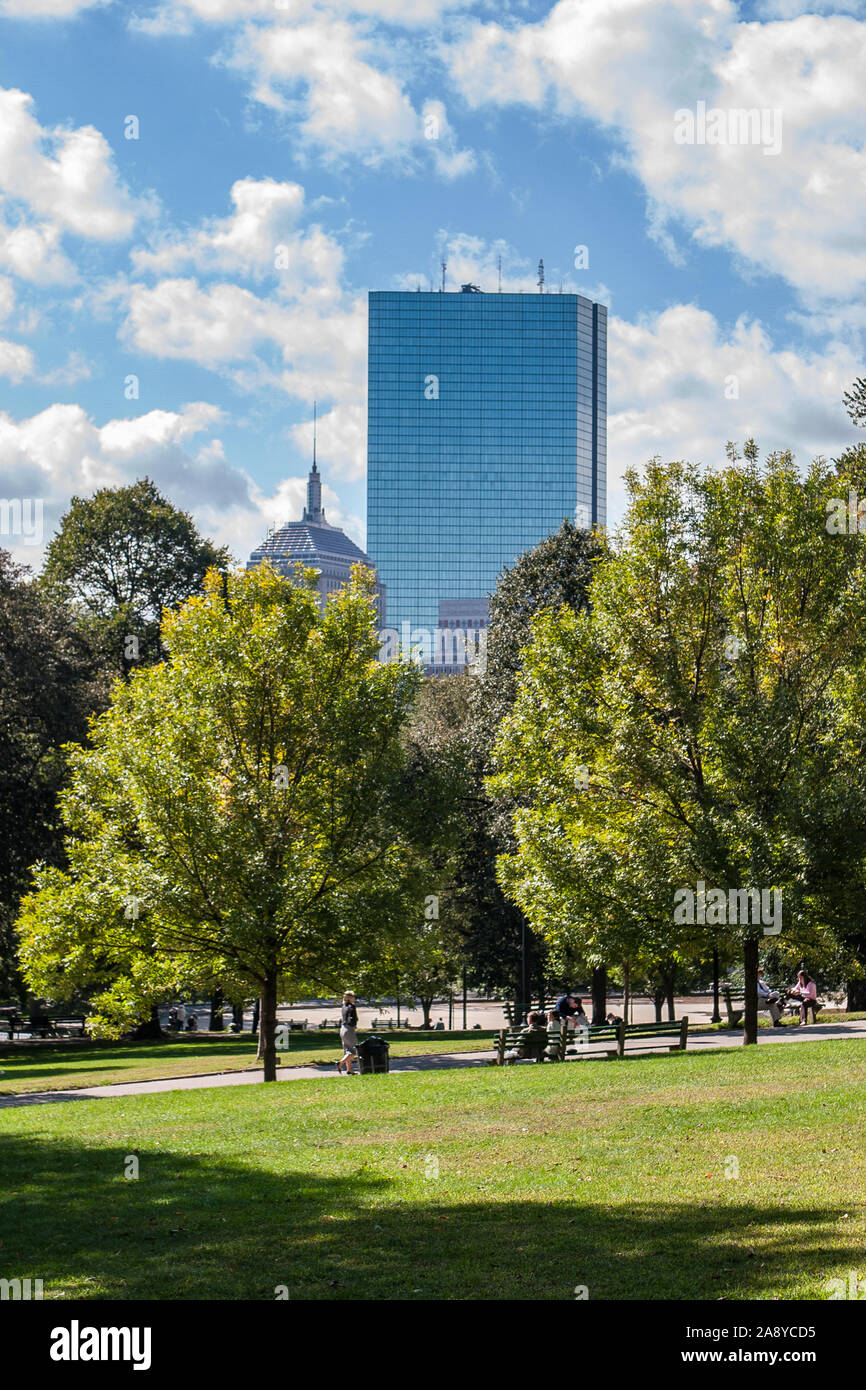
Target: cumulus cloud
[
  {"x": 259, "y": 237},
  {"x": 175, "y": 13},
  {"x": 46, "y": 9},
  {"x": 16, "y": 360},
  {"x": 61, "y": 452},
  {"x": 305, "y": 338},
  {"x": 54, "y": 182},
  {"x": 679, "y": 386},
  {"x": 632, "y": 64},
  {"x": 351, "y": 105}
]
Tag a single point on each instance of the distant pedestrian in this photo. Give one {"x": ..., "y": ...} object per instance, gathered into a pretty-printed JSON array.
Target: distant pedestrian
[{"x": 348, "y": 1032}]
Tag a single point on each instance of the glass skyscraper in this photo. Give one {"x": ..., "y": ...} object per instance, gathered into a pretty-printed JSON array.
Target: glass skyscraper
[{"x": 486, "y": 428}]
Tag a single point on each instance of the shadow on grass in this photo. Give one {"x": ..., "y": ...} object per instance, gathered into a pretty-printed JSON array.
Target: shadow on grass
[
  {"x": 198, "y": 1228},
  {"x": 23, "y": 1062}
]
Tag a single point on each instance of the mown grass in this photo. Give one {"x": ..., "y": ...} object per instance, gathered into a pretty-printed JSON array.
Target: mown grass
[
  {"x": 71, "y": 1066},
  {"x": 518, "y": 1183}
]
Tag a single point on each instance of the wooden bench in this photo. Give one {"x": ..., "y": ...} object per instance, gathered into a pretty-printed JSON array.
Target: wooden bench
[
  {"x": 506, "y": 1040},
  {"x": 621, "y": 1038},
  {"x": 735, "y": 1005},
  {"x": 44, "y": 1025}
]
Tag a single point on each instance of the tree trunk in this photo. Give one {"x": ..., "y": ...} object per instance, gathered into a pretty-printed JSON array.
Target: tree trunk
[
  {"x": 426, "y": 1006},
  {"x": 750, "y": 990},
  {"x": 669, "y": 996},
  {"x": 599, "y": 994},
  {"x": 268, "y": 1027},
  {"x": 856, "y": 996},
  {"x": 658, "y": 1000},
  {"x": 150, "y": 1029},
  {"x": 626, "y": 990},
  {"x": 216, "y": 1011},
  {"x": 238, "y": 1014}
]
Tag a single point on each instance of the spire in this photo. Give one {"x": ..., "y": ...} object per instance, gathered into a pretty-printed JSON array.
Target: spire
[{"x": 313, "y": 511}]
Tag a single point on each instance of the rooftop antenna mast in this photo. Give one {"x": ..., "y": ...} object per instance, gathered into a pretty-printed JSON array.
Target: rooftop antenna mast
[
  {"x": 444, "y": 268},
  {"x": 314, "y": 432},
  {"x": 541, "y": 277}
]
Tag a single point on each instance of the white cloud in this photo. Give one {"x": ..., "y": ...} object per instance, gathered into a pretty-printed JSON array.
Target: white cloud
[
  {"x": 16, "y": 361},
  {"x": 306, "y": 339},
  {"x": 32, "y": 252},
  {"x": 472, "y": 260},
  {"x": 170, "y": 16},
  {"x": 54, "y": 181},
  {"x": 66, "y": 176},
  {"x": 260, "y": 237},
  {"x": 62, "y": 451},
  {"x": 7, "y": 298},
  {"x": 672, "y": 379},
  {"x": 342, "y": 441},
  {"x": 46, "y": 9},
  {"x": 631, "y": 64},
  {"x": 351, "y": 106},
  {"x": 449, "y": 161}
]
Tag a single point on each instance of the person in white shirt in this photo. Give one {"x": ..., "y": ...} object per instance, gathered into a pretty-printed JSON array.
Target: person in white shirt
[{"x": 768, "y": 999}]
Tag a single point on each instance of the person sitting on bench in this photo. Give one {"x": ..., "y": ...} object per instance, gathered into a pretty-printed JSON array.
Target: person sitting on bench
[
  {"x": 805, "y": 991},
  {"x": 569, "y": 1011},
  {"x": 768, "y": 999},
  {"x": 532, "y": 1040}
]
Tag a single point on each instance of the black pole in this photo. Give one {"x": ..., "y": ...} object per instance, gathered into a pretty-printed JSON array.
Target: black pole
[
  {"x": 397, "y": 982},
  {"x": 717, "y": 1017},
  {"x": 450, "y": 1009},
  {"x": 464, "y": 999}
]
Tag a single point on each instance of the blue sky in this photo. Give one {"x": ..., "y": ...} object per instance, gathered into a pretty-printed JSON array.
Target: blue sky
[{"x": 354, "y": 142}]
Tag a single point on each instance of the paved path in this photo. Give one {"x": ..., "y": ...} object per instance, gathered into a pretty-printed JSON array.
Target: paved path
[{"x": 434, "y": 1062}]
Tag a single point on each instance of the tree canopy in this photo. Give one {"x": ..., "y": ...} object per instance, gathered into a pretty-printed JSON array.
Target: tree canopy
[
  {"x": 248, "y": 810},
  {"x": 122, "y": 558},
  {"x": 692, "y": 727}
]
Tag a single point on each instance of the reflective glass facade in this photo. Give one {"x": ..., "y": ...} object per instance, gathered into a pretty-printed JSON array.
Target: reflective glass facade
[{"x": 486, "y": 428}]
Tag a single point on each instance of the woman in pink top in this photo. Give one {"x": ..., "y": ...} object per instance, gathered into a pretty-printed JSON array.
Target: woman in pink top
[{"x": 805, "y": 991}]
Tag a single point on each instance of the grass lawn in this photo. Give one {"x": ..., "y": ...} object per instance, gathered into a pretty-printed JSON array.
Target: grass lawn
[
  {"x": 514, "y": 1183},
  {"x": 67, "y": 1067}
]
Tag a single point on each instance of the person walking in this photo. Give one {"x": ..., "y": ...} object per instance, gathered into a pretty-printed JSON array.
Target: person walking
[{"x": 348, "y": 1032}]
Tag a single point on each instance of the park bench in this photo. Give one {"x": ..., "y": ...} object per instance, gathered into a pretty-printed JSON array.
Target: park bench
[
  {"x": 505, "y": 1041},
  {"x": 43, "y": 1025},
  {"x": 735, "y": 1004},
  {"x": 620, "y": 1037}
]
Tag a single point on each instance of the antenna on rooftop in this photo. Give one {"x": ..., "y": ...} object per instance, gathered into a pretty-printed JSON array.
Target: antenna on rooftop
[
  {"x": 499, "y": 264},
  {"x": 541, "y": 277},
  {"x": 314, "y": 433},
  {"x": 444, "y": 268}
]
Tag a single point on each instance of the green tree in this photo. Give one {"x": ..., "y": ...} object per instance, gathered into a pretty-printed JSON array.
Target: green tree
[
  {"x": 502, "y": 950},
  {"x": 123, "y": 557},
  {"x": 248, "y": 811},
  {"x": 708, "y": 700},
  {"x": 855, "y": 401},
  {"x": 49, "y": 684}
]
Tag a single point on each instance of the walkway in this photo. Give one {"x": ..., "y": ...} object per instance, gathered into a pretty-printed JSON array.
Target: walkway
[{"x": 436, "y": 1062}]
